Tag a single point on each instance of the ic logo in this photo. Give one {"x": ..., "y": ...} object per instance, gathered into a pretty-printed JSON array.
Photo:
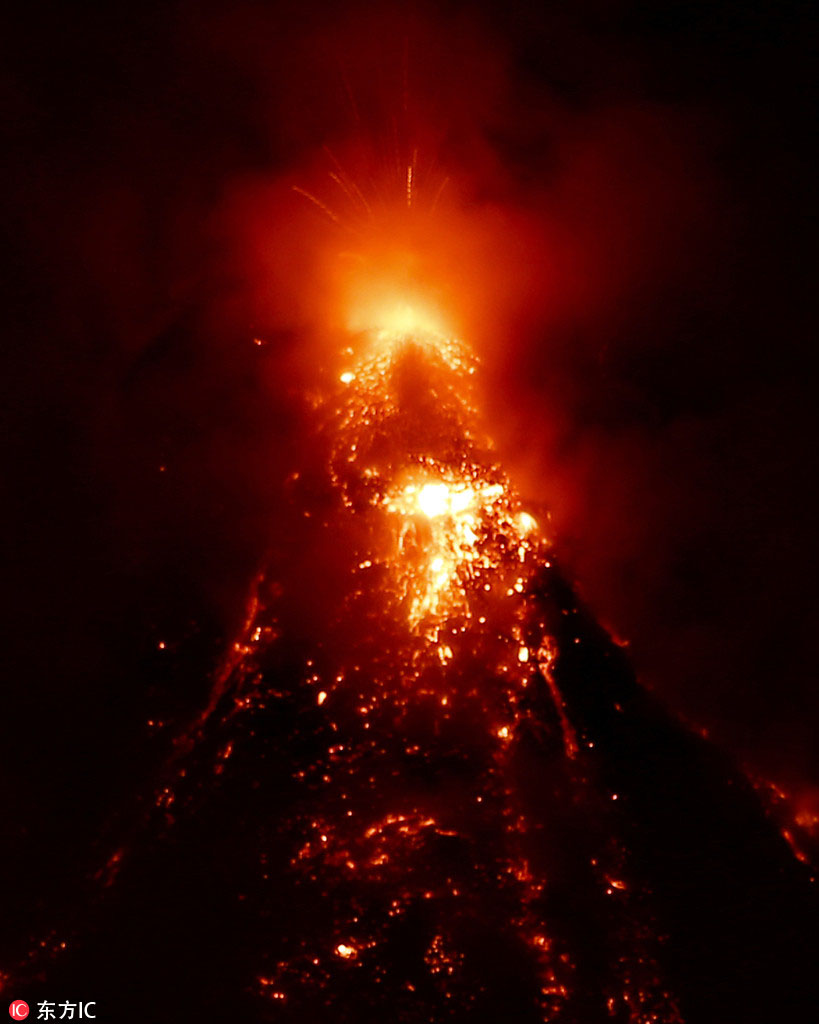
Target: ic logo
[{"x": 18, "y": 1009}]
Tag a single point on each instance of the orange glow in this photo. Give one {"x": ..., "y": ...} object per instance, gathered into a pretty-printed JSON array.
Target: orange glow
[
  {"x": 398, "y": 277},
  {"x": 382, "y": 308}
]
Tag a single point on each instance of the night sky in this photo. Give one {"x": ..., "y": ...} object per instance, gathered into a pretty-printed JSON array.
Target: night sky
[{"x": 648, "y": 381}]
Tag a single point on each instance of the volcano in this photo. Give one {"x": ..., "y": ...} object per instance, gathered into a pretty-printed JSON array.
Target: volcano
[{"x": 427, "y": 786}]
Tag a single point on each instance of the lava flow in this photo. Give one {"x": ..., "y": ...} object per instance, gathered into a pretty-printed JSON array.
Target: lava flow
[
  {"x": 427, "y": 786},
  {"x": 434, "y": 741}
]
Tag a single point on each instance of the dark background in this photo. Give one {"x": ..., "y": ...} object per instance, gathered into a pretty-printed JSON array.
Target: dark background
[{"x": 661, "y": 402}]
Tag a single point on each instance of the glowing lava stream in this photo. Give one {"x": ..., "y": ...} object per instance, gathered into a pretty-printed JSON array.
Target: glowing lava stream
[{"x": 407, "y": 431}]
